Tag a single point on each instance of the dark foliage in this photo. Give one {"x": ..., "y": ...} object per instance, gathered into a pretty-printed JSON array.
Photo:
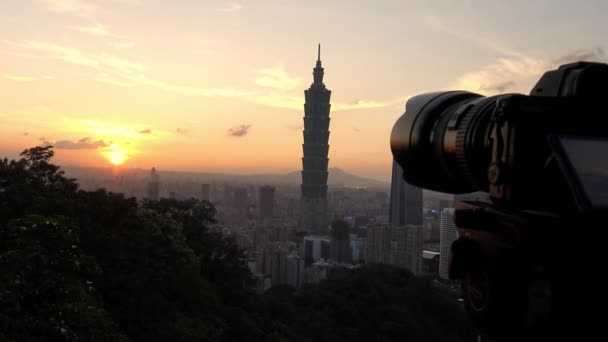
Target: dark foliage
[{"x": 96, "y": 266}]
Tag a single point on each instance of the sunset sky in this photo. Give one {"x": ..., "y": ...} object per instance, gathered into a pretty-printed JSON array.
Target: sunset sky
[{"x": 218, "y": 86}]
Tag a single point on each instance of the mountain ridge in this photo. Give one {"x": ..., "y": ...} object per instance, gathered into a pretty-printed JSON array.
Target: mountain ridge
[{"x": 337, "y": 177}]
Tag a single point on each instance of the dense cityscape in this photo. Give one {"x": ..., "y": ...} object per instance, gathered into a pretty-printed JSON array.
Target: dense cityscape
[{"x": 295, "y": 235}]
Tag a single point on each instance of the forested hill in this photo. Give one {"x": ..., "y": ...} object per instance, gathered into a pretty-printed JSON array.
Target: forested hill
[{"x": 95, "y": 266}]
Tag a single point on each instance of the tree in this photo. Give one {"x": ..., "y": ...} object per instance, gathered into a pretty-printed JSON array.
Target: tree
[{"x": 96, "y": 266}]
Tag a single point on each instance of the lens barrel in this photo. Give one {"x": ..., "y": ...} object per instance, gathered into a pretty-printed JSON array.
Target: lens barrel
[{"x": 442, "y": 141}]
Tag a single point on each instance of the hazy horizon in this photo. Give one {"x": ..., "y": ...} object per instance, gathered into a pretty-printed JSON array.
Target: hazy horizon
[{"x": 218, "y": 86}]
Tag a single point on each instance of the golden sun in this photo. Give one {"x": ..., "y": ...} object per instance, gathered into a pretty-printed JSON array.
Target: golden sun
[{"x": 115, "y": 154}]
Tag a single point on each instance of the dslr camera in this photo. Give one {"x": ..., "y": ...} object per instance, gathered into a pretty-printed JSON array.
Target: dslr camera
[{"x": 543, "y": 160}]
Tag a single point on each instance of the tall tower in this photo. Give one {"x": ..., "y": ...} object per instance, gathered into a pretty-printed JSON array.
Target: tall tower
[
  {"x": 406, "y": 200},
  {"x": 448, "y": 235},
  {"x": 153, "y": 187},
  {"x": 313, "y": 213}
]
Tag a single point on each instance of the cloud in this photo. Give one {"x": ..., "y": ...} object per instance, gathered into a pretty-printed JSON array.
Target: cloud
[
  {"x": 356, "y": 129},
  {"x": 188, "y": 90},
  {"x": 82, "y": 144},
  {"x": 145, "y": 131},
  {"x": 519, "y": 74},
  {"x": 123, "y": 45},
  {"x": 512, "y": 74},
  {"x": 500, "y": 87},
  {"x": 435, "y": 22},
  {"x": 84, "y": 8},
  {"x": 594, "y": 54},
  {"x": 276, "y": 78},
  {"x": 82, "y": 58},
  {"x": 364, "y": 104},
  {"x": 26, "y": 133},
  {"x": 181, "y": 131},
  {"x": 78, "y": 7},
  {"x": 121, "y": 72},
  {"x": 96, "y": 30},
  {"x": 239, "y": 131},
  {"x": 27, "y": 78},
  {"x": 231, "y": 7},
  {"x": 105, "y": 78}
]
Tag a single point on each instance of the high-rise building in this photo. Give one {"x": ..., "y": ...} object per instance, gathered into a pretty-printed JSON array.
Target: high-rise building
[
  {"x": 206, "y": 192},
  {"x": 406, "y": 200},
  {"x": 408, "y": 247},
  {"x": 340, "y": 242},
  {"x": 377, "y": 249},
  {"x": 318, "y": 271},
  {"x": 430, "y": 262},
  {"x": 313, "y": 213},
  {"x": 296, "y": 275},
  {"x": 316, "y": 247},
  {"x": 266, "y": 202},
  {"x": 357, "y": 246},
  {"x": 153, "y": 188},
  {"x": 448, "y": 234}
]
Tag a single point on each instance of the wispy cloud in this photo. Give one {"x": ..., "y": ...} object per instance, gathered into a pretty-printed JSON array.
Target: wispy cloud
[
  {"x": 276, "y": 86},
  {"x": 231, "y": 7},
  {"x": 519, "y": 74},
  {"x": 435, "y": 22},
  {"x": 21, "y": 78},
  {"x": 145, "y": 131},
  {"x": 276, "y": 78},
  {"x": 239, "y": 131},
  {"x": 364, "y": 104},
  {"x": 26, "y": 134},
  {"x": 181, "y": 131},
  {"x": 510, "y": 72},
  {"x": 105, "y": 78},
  {"x": 191, "y": 90},
  {"x": 123, "y": 45},
  {"x": 82, "y": 144},
  {"x": 84, "y": 8},
  {"x": 97, "y": 30},
  {"x": 593, "y": 54},
  {"x": 82, "y": 58},
  {"x": 78, "y": 7}
]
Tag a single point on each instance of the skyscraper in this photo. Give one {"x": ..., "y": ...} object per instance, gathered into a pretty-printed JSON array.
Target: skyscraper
[
  {"x": 406, "y": 200},
  {"x": 153, "y": 188},
  {"x": 316, "y": 247},
  {"x": 266, "y": 202},
  {"x": 448, "y": 234},
  {"x": 340, "y": 250},
  {"x": 313, "y": 213},
  {"x": 377, "y": 249},
  {"x": 408, "y": 247}
]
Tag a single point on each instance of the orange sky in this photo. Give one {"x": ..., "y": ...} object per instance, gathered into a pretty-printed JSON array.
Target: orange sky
[{"x": 218, "y": 86}]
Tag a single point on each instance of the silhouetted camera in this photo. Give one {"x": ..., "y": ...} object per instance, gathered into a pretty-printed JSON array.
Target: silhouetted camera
[{"x": 543, "y": 160}]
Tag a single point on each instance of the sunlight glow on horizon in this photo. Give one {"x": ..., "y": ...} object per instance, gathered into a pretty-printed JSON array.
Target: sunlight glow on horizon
[
  {"x": 105, "y": 83},
  {"x": 115, "y": 154}
]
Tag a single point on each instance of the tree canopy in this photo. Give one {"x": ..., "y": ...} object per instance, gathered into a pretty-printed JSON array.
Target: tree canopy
[{"x": 96, "y": 266}]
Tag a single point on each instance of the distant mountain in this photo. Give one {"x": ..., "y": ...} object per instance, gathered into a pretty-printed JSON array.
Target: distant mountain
[{"x": 337, "y": 177}]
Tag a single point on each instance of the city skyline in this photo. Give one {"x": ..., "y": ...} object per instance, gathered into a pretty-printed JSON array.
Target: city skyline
[{"x": 162, "y": 84}]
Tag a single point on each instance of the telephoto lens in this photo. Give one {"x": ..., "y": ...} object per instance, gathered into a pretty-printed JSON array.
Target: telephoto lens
[{"x": 443, "y": 141}]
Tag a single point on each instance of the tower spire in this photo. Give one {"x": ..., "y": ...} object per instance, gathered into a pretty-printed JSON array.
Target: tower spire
[
  {"x": 319, "y": 53},
  {"x": 318, "y": 70}
]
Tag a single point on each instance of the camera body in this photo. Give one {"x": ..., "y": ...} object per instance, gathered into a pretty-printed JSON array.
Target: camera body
[{"x": 543, "y": 160}]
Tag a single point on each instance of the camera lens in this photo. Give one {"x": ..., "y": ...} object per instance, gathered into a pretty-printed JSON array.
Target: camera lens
[{"x": 442, "y": 141}]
